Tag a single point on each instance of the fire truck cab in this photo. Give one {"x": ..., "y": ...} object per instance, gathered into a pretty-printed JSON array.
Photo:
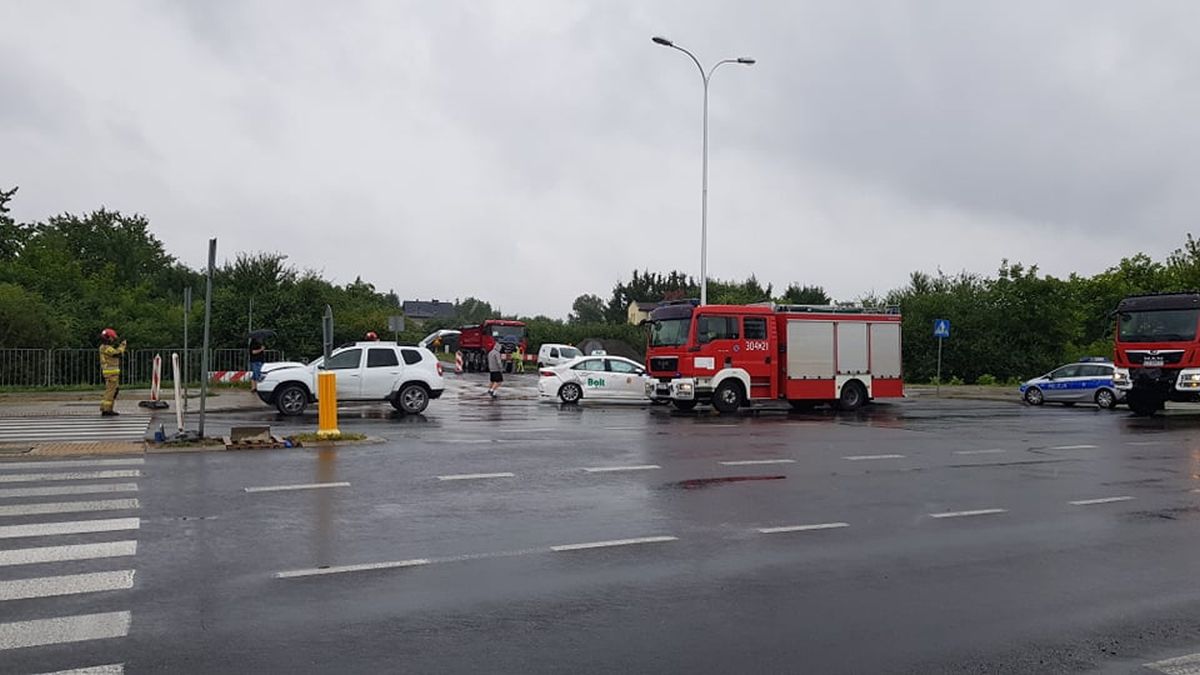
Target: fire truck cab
[
  {"x": 732, "y": 355},
  {"x": 1157, "y": 349}
]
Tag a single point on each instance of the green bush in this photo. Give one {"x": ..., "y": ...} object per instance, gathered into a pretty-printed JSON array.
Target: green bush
[{"x": 986, "y": 380}]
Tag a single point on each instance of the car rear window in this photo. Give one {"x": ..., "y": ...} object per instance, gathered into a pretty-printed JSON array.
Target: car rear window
[{"x": 411, "y": 356}]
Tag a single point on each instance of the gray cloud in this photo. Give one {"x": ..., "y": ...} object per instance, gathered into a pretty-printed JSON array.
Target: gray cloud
[{"x": 547, "y": 148}]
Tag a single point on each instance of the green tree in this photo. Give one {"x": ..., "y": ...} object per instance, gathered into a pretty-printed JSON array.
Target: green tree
[
  {"x": 795, "y": 294},
  {"x": 587, "y": 309}
]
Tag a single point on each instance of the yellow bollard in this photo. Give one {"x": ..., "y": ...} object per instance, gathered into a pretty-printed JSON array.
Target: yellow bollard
[{"x": 327, "y": 426}]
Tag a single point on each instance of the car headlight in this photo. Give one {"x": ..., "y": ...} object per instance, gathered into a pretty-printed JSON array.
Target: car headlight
[
  {"x": 685, "y": 387},
  {"x": 1120, "y": 376},
  {"x": 1188, "y": 379}
]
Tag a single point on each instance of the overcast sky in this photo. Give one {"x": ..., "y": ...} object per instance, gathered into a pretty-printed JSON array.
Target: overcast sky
[{"x": 528, "y": 152}]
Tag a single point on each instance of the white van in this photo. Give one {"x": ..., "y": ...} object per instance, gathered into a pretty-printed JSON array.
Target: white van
[{"x": 553, "y": 354}]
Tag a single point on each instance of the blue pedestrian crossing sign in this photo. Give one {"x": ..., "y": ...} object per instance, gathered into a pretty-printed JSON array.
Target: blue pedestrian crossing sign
[{"x": 941, "y": 328}]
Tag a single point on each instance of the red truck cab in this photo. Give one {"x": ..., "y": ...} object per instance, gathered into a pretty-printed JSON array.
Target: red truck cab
[
  {"x": 476, "y": 341},
  {"x": 1156, "y": 351}
]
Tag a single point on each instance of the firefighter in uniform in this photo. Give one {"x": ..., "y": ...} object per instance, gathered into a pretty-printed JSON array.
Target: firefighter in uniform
[{"x": 110, "y": 369}]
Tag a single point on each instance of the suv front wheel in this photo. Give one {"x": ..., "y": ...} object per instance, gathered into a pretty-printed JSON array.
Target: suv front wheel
[{"x": 291, "y": 399}]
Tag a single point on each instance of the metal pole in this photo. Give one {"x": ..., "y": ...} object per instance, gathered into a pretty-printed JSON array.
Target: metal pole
[
  {"x": 187, "y": 315},
  {"x": 939, "y": 369},
  {"x": 704, "y": 202},
  {"x": 212, "y": 261},
  {"x": 250, "y": 318}
]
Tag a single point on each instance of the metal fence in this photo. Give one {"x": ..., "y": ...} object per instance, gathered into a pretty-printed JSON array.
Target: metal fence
[{"x": 81, "y": 367}]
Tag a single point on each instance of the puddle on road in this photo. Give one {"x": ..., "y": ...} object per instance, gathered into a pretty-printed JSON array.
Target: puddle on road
[{"x": 697, "y": 483}]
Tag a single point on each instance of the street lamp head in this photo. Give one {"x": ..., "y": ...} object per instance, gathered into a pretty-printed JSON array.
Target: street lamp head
[
  {"x": 746, "y": 61},
  {"x": 660, "y": 40}
]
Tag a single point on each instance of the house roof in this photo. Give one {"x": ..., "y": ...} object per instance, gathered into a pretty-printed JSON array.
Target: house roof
[{"x": 422, "y": 309}]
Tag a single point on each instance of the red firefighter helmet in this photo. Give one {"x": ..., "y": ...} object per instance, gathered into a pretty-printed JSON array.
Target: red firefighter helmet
[
  {"x": 371, "y": 336},
  {"x": 108, "y": 335}
]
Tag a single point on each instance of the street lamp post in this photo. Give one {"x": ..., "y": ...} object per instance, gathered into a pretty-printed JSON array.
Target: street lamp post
[{"x": 706, "y": 77}]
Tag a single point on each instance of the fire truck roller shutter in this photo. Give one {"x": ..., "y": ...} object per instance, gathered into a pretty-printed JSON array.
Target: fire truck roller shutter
[
  {"x": 885, "y": 350},
  {"x": 810, "y": 350}
]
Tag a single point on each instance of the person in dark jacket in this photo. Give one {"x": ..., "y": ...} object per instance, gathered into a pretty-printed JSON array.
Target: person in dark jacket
[{"x": 258, "y": 354}]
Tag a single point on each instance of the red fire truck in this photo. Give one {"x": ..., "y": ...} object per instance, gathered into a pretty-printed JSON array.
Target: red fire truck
[
  {"x": 732, "y": 355},
  {"x": 476, "y": 341},
  {"x": 1157, "y": 354}
]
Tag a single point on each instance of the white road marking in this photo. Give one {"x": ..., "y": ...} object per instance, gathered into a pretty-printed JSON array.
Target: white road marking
[
  {"x": 81, "y": 475},
  {"x": 614, "y": 542},
  {"x": 1180, "y": 665},
  {"x": 1074, "y": 447},
  {"x": 473, "y": 476},
  {"x": 960, "y": 514},
  {"x": 1103, "y": 500},
  {"x": 69, "y": 507},
  {"x": 304, "y": 486},
  {"x": 342, "y": 569},
  {"x": 63, "y": 629},
  {"x": 859, "y": 458},
  {"x": 991, "y": 451},
  {"x": 45, "y": 554},
  {"x": 61, "y": 490},
  {"x": 67, "y": 584},
  {"x": 69, "y": 527},
  {"x": 608, "y": 469},
  {"x": 54, "y": 464},
  {"x": 802, "y": 528},
  {"x": 110, "y": 669},
  {"x": 753, "y": 462}
]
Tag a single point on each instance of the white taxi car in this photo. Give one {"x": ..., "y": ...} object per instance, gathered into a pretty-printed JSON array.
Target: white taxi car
[{"x": 611, "y": 378}]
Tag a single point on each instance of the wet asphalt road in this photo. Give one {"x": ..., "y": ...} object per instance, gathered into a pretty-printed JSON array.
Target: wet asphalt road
[{"x": 901, "y": 576}]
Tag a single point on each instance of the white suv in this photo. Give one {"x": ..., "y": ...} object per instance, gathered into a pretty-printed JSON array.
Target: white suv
[
  {"x": 406, "y": 377},
  {"x": 555, "y": 354}
]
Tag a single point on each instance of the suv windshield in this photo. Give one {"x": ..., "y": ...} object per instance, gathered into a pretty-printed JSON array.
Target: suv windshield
[
  {"x": 1165, "y": 325},
  {"x": 670, "y": 332}
]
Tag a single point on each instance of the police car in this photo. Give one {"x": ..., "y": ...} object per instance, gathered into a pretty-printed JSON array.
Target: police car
[
  {"x": 612, "y": 378},
  {"x": 1088, "y": 381}
]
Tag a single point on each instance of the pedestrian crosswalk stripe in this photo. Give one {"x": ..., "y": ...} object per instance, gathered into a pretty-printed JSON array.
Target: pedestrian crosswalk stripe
[
  {"x": 14, "y": 429},
  {"x": 68, "y": 507},
  {"x": 69, "y": 527},
  {"x": 110, "y": 669},
  {"x": 79, "y": 475},
  {"x": 57, "y": 463},
  {"x": 61, "y": 490},
  {"x": 63, "y": 629},
  {"x": 66, "y": 584},
  {"x": 46, "y": 554}
]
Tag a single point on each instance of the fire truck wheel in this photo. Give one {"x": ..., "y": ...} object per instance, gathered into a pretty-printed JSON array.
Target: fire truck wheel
[
  {"x": 1106, "y": 399},
  {"x": 570, "y": 393},
  {"x": 853, "y": 396},
  {"x": 684, "y": 405},
  {"x": 1033, "y": 396},
  {"x": 728, "y": 397}
]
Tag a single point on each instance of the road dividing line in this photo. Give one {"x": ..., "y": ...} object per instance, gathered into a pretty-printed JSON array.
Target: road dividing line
[
  {"x": 62, "y": 490},
  {"x": 81, "y": 475},
  {"x": 67, "y": 584},
  {"x": 111, "y": 669},
  {"x": 45, "y": 554},
  {"x": 802, "y": 528},
  {"x": 756, "y": 462},
  {"x": 1102, "y": 500},
  {"x": 54, "y": 464},
  {"x": 614, "y": 542},
  {"x": 1073, "y": 447},
  {"x": 69, "y": 507},
  {"x": 63, "y": 629},
  {"x": 962, "y": 514},
  {"x": 69, "y": 527},
  {"x": 1180, "y": 665},
  {"x": 860, "y": 458},
  {"x": 342, "y": 569},
  {"x": 287, "y": 488},
  {"x": 473, "y": 476},
  {"x": 612, "y": 469},
  {"x": 992, "y": 451}
]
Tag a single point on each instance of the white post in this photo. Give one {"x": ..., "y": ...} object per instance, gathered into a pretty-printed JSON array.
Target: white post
[
  {"x": 175, "y": 379},
  {"x": 939, "y": 370}
]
